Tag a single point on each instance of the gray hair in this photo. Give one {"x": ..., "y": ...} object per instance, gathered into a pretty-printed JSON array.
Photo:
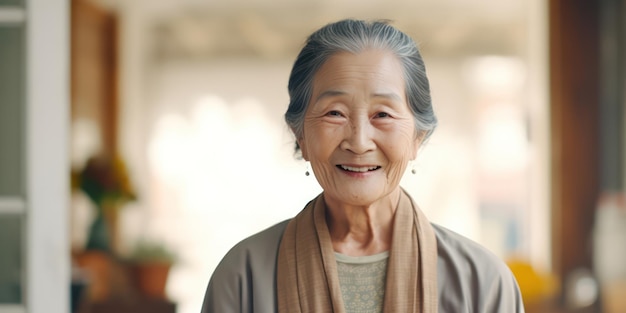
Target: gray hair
[{"x": 355, "y": 36}]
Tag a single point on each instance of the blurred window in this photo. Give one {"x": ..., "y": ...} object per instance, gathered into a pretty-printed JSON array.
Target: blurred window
[{"x": 12, "y": 126}]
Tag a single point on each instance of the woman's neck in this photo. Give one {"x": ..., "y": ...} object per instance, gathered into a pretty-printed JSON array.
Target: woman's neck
[{"x": 362, "y": 230}]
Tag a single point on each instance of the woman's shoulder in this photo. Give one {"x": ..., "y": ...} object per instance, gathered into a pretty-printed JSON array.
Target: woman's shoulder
[
  {"x": 473, "y": 276},
  {"x": 268, "y": 235},
  {"x": 262, "y": 245},
  {"x": 460, "y": 248},
  {"x": 466, "y": 256},
  {"x": 244, "y": 280}
]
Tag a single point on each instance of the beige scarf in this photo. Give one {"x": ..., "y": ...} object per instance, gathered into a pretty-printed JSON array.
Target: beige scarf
[{"x": 307, "y": 271}]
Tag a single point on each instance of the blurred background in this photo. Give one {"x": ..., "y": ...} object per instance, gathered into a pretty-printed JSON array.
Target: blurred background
[{"x": 140, "y": 140}]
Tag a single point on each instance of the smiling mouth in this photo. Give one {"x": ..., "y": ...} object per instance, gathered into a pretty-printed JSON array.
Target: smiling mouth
[{"x": 355, "y": 169}]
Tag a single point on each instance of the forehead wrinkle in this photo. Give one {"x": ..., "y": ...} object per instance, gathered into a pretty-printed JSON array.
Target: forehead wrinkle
[
  {"x": 338, "y": 93},
  {"x": 370, "y": 82},
  {"x": 387, "y": 95},
  {"x": 330, "y": 94}
]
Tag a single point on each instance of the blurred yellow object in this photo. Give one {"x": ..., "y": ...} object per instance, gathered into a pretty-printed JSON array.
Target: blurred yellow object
[{"x": 535, "y": 287}]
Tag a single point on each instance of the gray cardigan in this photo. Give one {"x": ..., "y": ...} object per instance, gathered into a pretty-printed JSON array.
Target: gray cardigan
[{"x": 470, "y": 278}]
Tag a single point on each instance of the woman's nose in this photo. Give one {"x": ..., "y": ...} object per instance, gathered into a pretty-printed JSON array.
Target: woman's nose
[{"x": 358, "y": 138}]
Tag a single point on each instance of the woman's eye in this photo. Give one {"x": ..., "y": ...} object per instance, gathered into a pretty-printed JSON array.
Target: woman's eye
[
  {"x": 333, "y": 113},
  {"x": 382, "y": 114}
]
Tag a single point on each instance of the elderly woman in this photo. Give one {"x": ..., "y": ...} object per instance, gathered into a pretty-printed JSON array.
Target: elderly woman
[{"x": 360, "y": 108}]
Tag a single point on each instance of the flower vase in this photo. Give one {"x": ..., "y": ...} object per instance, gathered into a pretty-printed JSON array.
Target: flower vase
[
  {"x": 98, "y": 238},
  {"x": 103, "y": 230}
]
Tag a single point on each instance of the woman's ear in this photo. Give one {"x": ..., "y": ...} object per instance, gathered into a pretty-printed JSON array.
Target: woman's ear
[
  {"x": 303, "y": 149},
  {"x": 300, "y": 143},
  {"x": 417, "y": 142}
]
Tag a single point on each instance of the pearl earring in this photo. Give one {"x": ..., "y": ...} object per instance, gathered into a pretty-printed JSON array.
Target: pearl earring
[{"x": 307, "y": 170}]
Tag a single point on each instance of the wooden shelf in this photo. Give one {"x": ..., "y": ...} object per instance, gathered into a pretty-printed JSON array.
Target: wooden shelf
[{"x": 140, "y": 305}]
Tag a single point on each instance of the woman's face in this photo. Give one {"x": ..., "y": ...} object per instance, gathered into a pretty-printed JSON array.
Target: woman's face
[{"x": 359, "y": 133}]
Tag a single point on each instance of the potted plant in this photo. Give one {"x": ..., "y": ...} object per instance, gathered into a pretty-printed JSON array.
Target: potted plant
[{"x": 150, "y": 262}]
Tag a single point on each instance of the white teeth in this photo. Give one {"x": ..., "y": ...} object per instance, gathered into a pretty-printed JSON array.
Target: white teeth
[{"x": 358, "y": 169}]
